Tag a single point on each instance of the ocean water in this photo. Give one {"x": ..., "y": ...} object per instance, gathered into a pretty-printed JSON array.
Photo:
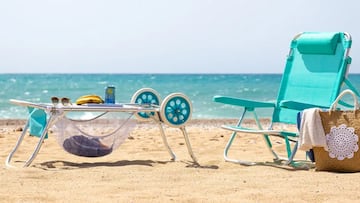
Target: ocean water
[{"x": 200, "y": 88}]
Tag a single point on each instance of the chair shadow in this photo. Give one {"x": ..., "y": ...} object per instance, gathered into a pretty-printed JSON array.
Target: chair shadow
[{"x": 305, "y": 165}]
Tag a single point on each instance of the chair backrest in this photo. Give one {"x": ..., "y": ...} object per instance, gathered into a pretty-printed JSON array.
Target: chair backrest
[{"x": 316, "y": 67}]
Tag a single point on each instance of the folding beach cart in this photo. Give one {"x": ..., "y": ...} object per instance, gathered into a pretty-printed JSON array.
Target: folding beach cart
[{"x": 76, "y": 138}]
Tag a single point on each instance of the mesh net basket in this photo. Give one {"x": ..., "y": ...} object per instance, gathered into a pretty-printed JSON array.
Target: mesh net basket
[{"x": 93, "y": 137}]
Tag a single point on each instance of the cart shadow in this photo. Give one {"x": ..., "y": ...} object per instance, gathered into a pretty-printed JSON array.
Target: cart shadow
[
  {"x": 67, "y": 165},
  {"x": 59, "y": 164}
]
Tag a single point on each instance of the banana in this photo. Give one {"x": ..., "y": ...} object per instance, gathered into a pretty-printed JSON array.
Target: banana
[{"x": 91, "y": 98}]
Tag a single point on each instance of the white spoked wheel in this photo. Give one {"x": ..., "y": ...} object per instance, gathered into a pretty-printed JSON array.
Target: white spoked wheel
[
  {"x": 146, "y": 96},
  {"x": 176, "y": 110}
]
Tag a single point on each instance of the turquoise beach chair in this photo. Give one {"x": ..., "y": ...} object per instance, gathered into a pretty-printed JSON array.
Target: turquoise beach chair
[{"x": 315, "y": 71}]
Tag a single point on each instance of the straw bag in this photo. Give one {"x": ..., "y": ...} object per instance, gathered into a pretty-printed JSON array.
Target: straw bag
[{"x": 342, "y": 130}]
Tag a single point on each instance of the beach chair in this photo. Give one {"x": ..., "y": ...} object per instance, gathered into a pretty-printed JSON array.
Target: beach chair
[{"x": 316, "y": 70}]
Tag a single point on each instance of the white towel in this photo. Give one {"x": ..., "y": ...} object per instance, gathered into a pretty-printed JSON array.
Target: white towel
[{"x": 311, "y": 130}]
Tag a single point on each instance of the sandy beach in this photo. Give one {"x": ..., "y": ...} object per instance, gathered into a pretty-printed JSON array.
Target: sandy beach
[{"x": 141, "y": 171}]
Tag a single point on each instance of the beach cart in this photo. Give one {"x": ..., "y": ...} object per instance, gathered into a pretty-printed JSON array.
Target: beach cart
[{"x": 76, "y": 135}]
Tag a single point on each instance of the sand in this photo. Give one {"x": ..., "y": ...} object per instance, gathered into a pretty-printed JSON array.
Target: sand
[{"x": 141, "y": 171}]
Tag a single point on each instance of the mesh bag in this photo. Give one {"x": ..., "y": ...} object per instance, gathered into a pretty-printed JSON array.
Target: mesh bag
[{"x": 94, "y": 137}]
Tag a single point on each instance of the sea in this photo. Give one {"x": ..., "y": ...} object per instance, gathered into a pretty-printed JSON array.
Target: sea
[{"x": 199, "y": 88}]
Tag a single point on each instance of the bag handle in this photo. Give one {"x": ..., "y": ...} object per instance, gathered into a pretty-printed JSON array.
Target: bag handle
[{"x": 347, "y": 91}]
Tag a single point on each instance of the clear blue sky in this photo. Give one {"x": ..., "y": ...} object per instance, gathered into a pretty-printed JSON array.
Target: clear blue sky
[{"x": 163, "y": 36}]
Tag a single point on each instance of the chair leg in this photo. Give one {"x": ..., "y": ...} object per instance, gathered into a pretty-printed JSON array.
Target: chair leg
[
  {"x": 266, "y": 137},
  {"x": 172, "y": 154},
  {"x": 38, "y": 146},
  {"x": 17, "y": 145},
  {"x": 226, "y": 150},
  {"x": 228, "y": 145},
  {"x": 188, "y": 145},
  {"x": 41, "y": 140},
  {"x": 290, "y": 153}
]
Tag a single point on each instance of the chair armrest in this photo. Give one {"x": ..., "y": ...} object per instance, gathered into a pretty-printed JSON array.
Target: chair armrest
[
  {"x": 299, "y": 105},
  {"x": 243, "y": 102}
]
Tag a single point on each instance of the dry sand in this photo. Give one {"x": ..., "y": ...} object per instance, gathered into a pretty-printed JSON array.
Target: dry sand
[{"x": 141, "y": 171}]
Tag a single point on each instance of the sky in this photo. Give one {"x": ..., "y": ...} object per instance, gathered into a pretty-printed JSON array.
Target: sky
[{"x": 164, "y": 36}]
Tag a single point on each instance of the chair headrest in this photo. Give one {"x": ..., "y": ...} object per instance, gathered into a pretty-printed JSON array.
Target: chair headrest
[{"x": 317, "y": 42}]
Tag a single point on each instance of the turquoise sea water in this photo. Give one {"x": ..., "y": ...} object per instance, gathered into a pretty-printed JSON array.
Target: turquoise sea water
[{"x": 200, "y": 88}]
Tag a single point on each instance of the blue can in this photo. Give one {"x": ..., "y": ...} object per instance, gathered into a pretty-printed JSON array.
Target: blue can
[{"x": 110, "y": 94}]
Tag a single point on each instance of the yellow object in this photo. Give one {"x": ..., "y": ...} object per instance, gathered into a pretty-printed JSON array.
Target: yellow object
[{"x": 89, "y": 99}]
